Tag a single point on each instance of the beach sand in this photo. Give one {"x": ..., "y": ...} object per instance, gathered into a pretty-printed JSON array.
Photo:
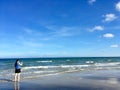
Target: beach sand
[{"x": 95, "y": 80}]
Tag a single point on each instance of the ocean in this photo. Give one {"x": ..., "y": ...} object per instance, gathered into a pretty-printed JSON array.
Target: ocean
[{"x": 36, "y": 67}]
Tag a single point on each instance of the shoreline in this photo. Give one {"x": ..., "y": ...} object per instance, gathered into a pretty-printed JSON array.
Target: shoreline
[{"x": 92, "y": 80}]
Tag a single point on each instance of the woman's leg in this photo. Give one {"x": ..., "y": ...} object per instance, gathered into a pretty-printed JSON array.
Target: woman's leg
[
  {"x": 18, "y": 77},
  {"x": 15, "y": 77}
]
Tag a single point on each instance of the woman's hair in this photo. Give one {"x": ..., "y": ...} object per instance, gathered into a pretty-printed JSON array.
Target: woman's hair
[{"x": 16, "y": 62}]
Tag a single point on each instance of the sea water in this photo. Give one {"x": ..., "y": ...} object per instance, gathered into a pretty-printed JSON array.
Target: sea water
[{"x": 35, "y": 67}]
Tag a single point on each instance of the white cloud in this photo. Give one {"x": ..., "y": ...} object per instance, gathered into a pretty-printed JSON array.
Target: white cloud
[
  {"x": 29, "y": 42},
  {"x": 63, "y": 30},
  {"x": 114, "y": 46},
  {"x": 91, "y": 1},
  {"x": 108, "y": 35},
  {"x": 29, "y": 31},
  {"x": 32, "y": 32},
  {"x": 118, "y": 6},
  {"x": 110, "y": 17},
  {"x": 97, "y": 28},
  {"x": 32, "y": 44},
  {"x": 66, "y": 31}
]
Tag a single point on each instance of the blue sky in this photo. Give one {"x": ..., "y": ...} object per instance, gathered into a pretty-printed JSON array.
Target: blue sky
[{"x": 55, "y": 28}]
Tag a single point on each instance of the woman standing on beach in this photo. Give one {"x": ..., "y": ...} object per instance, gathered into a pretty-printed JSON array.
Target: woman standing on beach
[{"x": 17, "y": 70}]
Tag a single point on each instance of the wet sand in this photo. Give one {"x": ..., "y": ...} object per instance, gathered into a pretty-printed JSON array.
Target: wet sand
[{"x": 95, "y": 80}]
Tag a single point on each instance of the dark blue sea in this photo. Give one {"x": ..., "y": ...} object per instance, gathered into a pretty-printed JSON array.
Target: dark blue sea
[{"x": 35, "y": 67}]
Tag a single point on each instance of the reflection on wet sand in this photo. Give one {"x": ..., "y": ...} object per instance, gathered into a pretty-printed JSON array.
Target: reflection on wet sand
[
  {"x": 113, "y": 80},
  {"x": 16, "y": 85}
]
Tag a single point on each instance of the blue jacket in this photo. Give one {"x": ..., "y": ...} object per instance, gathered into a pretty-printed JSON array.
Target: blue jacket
[{"x": 17, "y": 66}]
